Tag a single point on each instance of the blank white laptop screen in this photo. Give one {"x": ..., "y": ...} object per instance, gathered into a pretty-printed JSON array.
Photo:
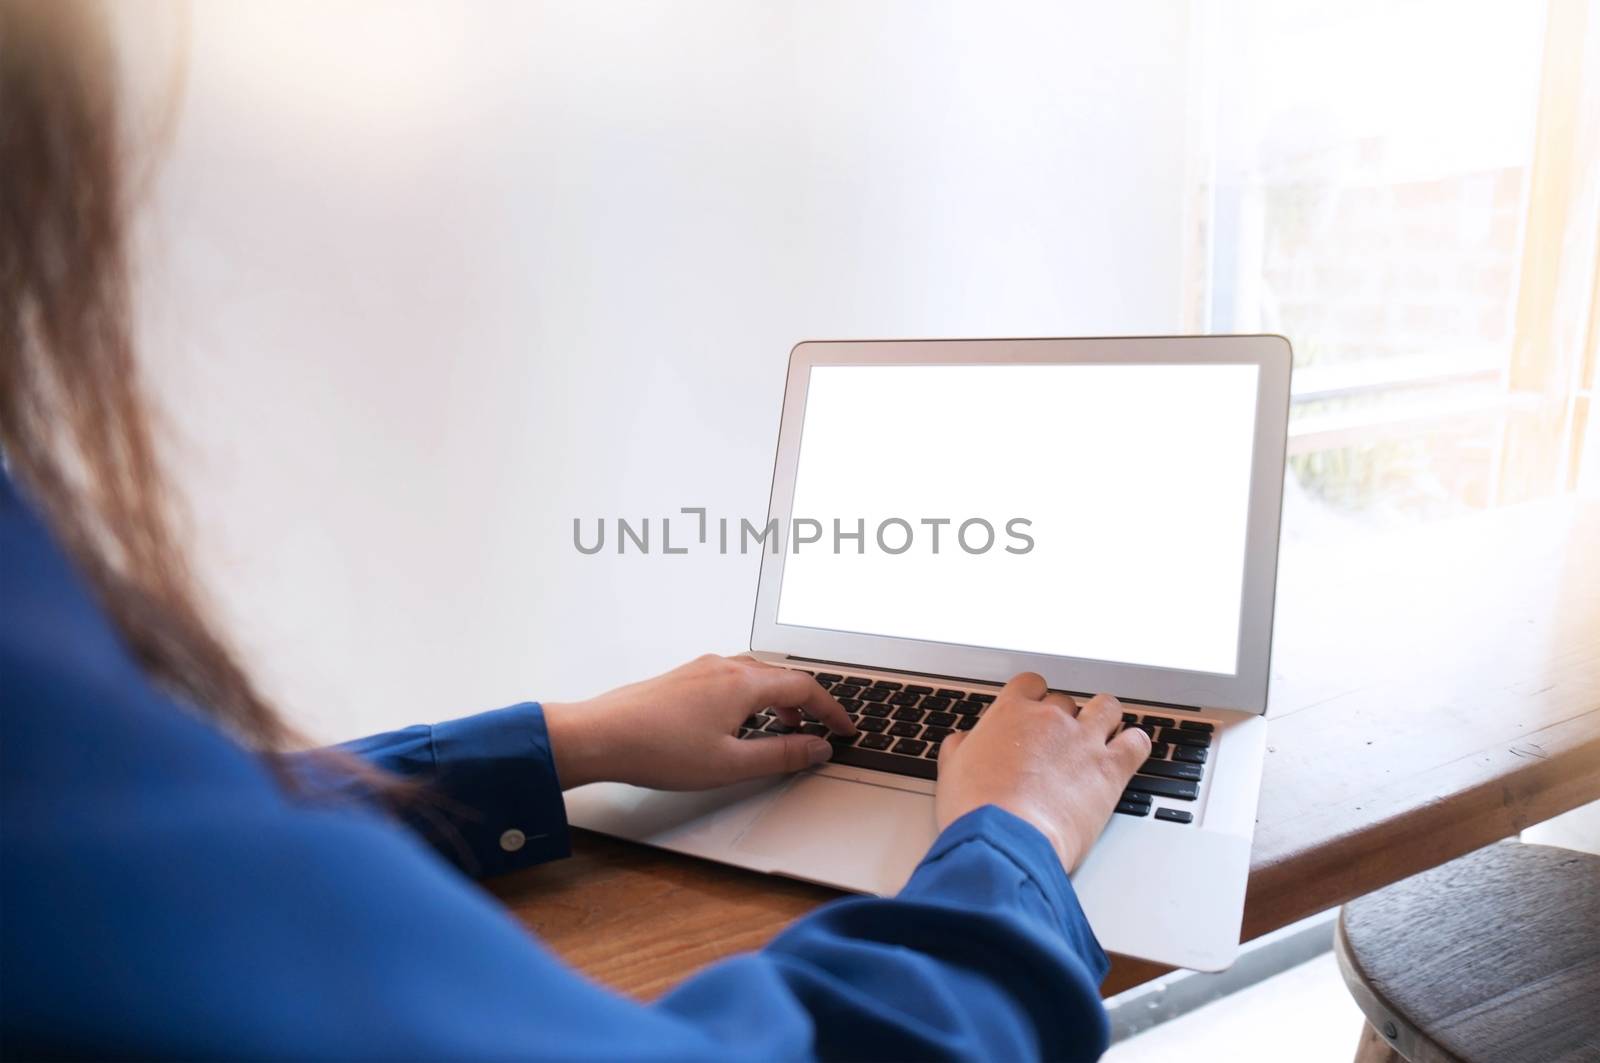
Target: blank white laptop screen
[{"x": 1134, "y": 481}]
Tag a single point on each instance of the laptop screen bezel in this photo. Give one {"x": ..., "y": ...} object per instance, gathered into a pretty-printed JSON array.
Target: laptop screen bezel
[{"x": 1246, "y": 690}]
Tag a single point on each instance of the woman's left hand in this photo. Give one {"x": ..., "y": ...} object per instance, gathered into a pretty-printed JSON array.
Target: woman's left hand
[{"x": 677, "y": 731}]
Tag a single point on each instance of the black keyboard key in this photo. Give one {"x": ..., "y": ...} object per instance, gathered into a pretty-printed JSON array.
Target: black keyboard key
[
  {"x": 933, "y": 752},
  {"x": 905, "y": 697},
  {"x": 1185, "y": 738},
  {"x": 1148, "y": 728},
  {"x": 851, "y": 704},
  {"x": 910, "y": 713},
  {"x": 935, "y": 702},
  {"x": 1160, "y": 721},
  {"x": 842, "y": 740},
  {"x": 856, "y": 756},
  {"x": 1129, "y": 717},
  {"x": 937, "y": 734},
  {"x": 753, "y": 723},
  {"x": 919, "y": 690},
  {"x": 1168, "y": 769},
  {"x": 828, "y": 677},
  {"x": 1175, "y": 815},
  {"x": 905, "y": 730},
  {"x": 874, "y": 709},
  {"x": 1189, "y": 755},
  {"x": 845, "y": 690},
  {"x": 817, "y": 729},
  {"x": 967, "y": 708},
  {"x": 966, "y": 723},
  {"x": 985, "y": 699},
  {"x": 1159, "y": 750},
  {"x": 888, "y": 684},
  {"x": 876, "y": 694},
  {"x": 872, "y": 741},
  {"x": 872, "y": 724},
  {"x": 1197, "y": 725},
  {"x": 857, "y": 681},
  {"x": 1132, "y": 808},
  {"x": 911, "y": 747},
  {"x": 1181, "y": 789},
  {"x": 941, "y": 719},
  {"x": 946, "y": 692},
  {"x": 1130, "y": 797}
]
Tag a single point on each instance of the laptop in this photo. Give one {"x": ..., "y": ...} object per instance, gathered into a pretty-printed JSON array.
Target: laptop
[{"x": 949, "y": 513}]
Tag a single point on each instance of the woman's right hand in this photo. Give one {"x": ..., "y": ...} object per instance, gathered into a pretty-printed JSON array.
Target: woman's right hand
[{"x": 1046, "y": 759}]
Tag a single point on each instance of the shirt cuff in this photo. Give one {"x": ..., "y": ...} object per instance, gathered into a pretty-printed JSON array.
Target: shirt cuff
[
  {"x": 495, "y": 791},
  {"x": 1024, "y": 848}
]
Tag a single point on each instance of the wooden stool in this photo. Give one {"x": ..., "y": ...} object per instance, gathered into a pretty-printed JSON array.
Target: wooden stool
[{"x": 1492, "y": 957}]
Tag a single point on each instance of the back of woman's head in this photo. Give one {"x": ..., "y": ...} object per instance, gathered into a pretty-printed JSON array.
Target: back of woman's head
[{"x": 75, "y": 427}]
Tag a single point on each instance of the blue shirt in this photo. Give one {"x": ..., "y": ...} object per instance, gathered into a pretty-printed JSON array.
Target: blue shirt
[{"x": 163, "y": 895}]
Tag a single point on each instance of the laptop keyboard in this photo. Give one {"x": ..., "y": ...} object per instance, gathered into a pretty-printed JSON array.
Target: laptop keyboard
[
  {"x": 902, "y": 724},
  {"x": 1174, "y": 770}
]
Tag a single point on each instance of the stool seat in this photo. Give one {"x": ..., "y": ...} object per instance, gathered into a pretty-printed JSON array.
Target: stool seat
[{"x": 1492, "y": 957}]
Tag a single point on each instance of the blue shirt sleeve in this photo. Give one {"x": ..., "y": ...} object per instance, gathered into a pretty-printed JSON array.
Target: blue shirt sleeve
[
  {"x": 984, "y": 955},
  {"x": 486, "y": 795}
]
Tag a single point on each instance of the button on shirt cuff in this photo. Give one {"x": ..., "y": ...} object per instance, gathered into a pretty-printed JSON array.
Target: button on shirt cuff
[{"x": 502, "y": 796}]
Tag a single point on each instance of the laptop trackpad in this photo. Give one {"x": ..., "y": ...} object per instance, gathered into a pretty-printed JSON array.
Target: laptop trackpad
[{"x": 847, "y": 834}]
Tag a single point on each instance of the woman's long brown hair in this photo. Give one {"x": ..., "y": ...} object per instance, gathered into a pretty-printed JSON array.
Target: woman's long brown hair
[{"x": 75, "y": 427}]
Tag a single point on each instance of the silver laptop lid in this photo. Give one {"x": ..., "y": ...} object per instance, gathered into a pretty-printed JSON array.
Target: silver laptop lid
[{"x": 1102, "y": 511}]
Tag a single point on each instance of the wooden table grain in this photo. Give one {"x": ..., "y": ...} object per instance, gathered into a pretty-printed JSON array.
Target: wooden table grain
[{"x": 1433, "y": 690}]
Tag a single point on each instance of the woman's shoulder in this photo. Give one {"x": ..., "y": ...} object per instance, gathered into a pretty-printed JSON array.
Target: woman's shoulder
[
  {"x": 50, "y": 619},
  {"x": 80, "y": 723}
]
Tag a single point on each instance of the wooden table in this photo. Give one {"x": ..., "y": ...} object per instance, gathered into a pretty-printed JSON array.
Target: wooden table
[{"x": 1433, "y": 690}]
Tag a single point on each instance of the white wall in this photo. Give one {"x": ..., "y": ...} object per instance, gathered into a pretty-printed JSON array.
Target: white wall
[{"x": 427, "y": 281}]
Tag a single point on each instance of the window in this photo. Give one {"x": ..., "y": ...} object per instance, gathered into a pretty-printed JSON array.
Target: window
[{"x": 1409, "y": 192}]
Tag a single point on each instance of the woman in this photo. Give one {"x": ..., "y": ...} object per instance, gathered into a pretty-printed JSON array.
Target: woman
[{"x": 176, "y": 884}]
